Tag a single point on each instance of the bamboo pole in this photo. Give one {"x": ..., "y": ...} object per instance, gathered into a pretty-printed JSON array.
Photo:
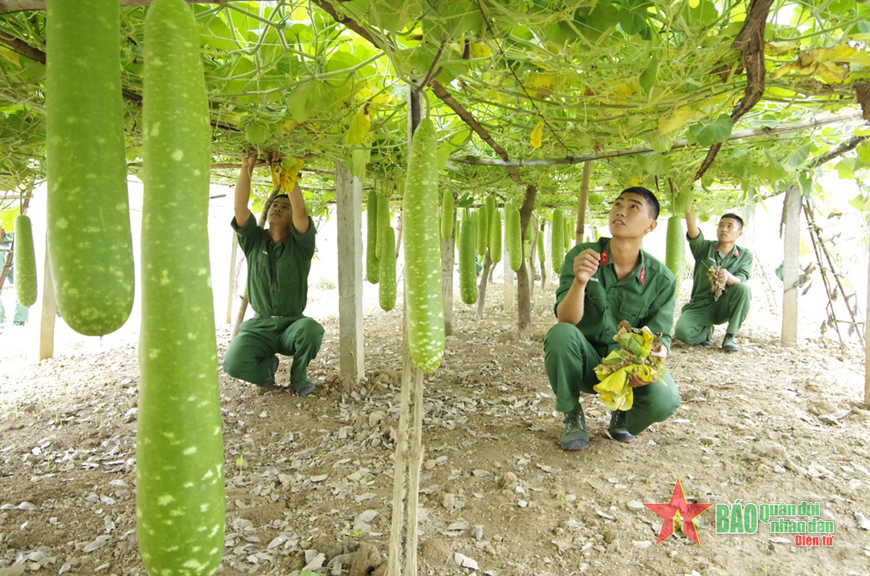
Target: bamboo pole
[
  {"x": 402, "y": 558},
  {"x": 738, "y": 135},
  {"x": 49, "y": 307}
]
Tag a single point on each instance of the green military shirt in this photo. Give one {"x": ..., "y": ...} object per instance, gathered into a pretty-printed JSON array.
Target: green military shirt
[
  {"x": 646, "y": 297},
  {"x": 277, "y": 272},
  {"x": 707, "y": 255}
]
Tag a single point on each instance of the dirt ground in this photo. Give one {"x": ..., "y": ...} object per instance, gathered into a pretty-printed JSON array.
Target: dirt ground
[{"x": 309, "y": 480}]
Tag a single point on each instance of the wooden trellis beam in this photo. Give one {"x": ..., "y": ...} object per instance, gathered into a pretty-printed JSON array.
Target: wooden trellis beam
[{"x": 738, "y": 135}]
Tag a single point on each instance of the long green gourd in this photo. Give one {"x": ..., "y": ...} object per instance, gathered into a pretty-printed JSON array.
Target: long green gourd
[
  {"x": 490, "y": 210},
  {"x": 372, "y": 266},
  {"x": 568, "y": 237},
  {"x": 542, "y": 249},
  {"x": 383, "y": 223},
  {"x": 467, "y": 268},
  {"x": 557, "y": 246},
  {"x": 89, "y": 240},
  {"x": 675, "y": 251},
  {"x": 447, "y": 217},
  {"x": 25, "y": 262},
  {"x": 495, "y": 237},
  {"x": 180, "y": 507},
  {"x": 480, "y": 231},
  {"x": 387, "y": 262},
  {"x": 515, "y": 238},
  {"x": 423, "y": 252}
]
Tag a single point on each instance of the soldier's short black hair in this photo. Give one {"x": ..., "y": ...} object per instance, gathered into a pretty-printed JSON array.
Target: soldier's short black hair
[
  {"x": 650, "y": 198},
  {"x": 733, "y": 217}
]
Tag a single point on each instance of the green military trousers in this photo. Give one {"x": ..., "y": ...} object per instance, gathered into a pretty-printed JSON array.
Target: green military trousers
[
  {"x": 698, "y": 317},
  {"x": 20, "y": 317},
  {"x": 570, "y": 361},
  {"x": 249, "y": 356}
]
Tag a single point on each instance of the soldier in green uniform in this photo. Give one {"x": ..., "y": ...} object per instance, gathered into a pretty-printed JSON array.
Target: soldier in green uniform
[
  {"x": 601, "y": 284},
  {"x": 703, "y": 310},
  {"x": 279, "y": 258}
]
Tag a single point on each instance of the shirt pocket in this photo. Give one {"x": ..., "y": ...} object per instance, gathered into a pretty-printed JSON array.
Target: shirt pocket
[
  {"x": 594, "y": 301},
  {"x": 632, "y": 311}
]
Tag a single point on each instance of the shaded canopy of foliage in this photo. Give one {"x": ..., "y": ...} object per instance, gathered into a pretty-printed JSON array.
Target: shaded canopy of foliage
[{"x": 588, "y": 76}]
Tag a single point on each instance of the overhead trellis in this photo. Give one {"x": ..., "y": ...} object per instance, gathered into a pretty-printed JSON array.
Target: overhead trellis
[{"x": 515, "y": 82}]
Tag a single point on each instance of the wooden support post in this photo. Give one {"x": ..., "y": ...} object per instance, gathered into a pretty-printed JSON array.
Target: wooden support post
[
  {"x": 509, "y": 274},
  {"x": 867, "y": 334},
  {"x": 546, "y": 266},
  {"x": 231, "y": 288},
  {"x": 49, "y": 306},
  {"x": 448, "y": 257},
  {"x": 791, "y": 265},
  {"x": 402, "y": 559},
  {"x": 350, "y": 274}
]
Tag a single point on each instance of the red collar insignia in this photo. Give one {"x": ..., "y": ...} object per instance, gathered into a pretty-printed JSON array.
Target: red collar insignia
[
  {"x": 642, "y": 275},
  {"x": 604, "y": 258},
  {"x": 736, "y": 252}
]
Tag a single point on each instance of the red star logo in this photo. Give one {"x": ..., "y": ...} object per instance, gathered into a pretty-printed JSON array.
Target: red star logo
[{"x": 678, "y": 510}]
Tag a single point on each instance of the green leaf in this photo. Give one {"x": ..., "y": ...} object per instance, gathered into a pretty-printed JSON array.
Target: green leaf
[
  {"x": 860, "y": 202},
  {"x": 632, "y": 21},
  {"x": 451, "y": 19},
  {"x": 709, "y": 133},
  {"x": 806, "y": 183},
  {"x": 393, "y": 15},
  {"x": 798, "y": 157},
  {"x": 360, "y": 159},
  {"x": 444, "y": 154},
  {"x": 465, "y": 201},
  {"x": 702, "y": 15},
  {"x": 648, "y": 77},
  {"x": 863, "y": 151},
  {"x": 655, "y": 164},
  {"x": 846, "y": 168},
  {"x": 660, "y": 142},
  {"x": 217, "y": 34}
]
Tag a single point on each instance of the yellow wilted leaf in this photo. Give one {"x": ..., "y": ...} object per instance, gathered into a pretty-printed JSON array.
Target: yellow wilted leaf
[
  {"x": 383, "y": 98},
  {"x": 289, "y": 125},
  {"x": 9, "y": 55},
  {"x": 275, "y": 173},
  {"x": 792, "y": 67},
  {"x": 832, "y": 72},
  {"x": 541, "y": 84},
  {"x": 841, "y": 53},
  {"x": 780, "y": 48},
  {"x": 613, "y": 383},
  {"x": 537, "y": 134},
  {"x": 480, "y": 50},
  {"x": 290, "y": 168},
  {"x": 678, "y": 118},
  {"x": 359, "y": 127}
]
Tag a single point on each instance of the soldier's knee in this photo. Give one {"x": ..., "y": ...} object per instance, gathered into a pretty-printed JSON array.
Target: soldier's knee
[
  {"x": 311, "y": 331},
  {"x": 663, "y": 406},
  {"x": 232, "y": 364},
  {"x": 741, "y": 290},
  {"x": 559, "y": 337}
]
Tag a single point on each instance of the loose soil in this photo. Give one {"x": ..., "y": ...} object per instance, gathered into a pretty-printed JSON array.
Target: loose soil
[{"x": 309, "y": 480}]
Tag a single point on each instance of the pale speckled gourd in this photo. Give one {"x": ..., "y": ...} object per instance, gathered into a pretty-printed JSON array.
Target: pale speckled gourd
[
  {"x": 180, "y": 510},
  {"x": 422, "y": 252},
  {"x": 89, "y": 241}
]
